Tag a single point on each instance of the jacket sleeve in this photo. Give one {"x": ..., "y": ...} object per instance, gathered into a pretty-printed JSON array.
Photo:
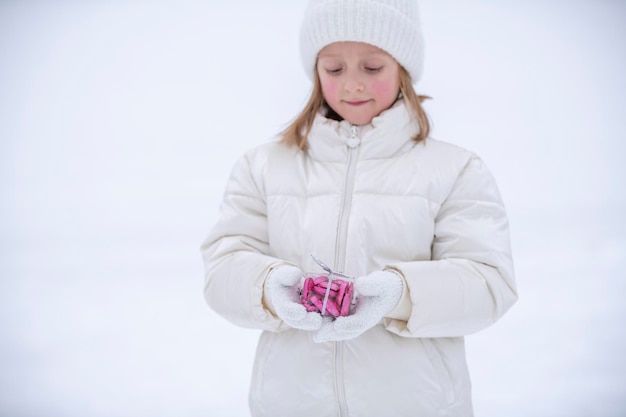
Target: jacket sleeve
[
  {"x": 236, "y": 253},
  {"x": 469, "y": 282}
]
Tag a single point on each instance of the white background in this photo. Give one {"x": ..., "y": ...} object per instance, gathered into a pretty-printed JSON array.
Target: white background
[{"x": 120, "y": 122}]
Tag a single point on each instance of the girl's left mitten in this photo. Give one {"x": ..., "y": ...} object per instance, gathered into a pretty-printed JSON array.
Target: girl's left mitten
[
  {"x": 378, "y": 294},
  {"x": 282, "y": 293}
]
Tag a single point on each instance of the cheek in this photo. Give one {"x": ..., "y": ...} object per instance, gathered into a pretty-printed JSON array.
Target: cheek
[
  {"x": 385, "y": 88},
  {"x": 329, "y": 87}
]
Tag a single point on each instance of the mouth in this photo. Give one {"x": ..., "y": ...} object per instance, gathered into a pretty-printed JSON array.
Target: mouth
[{"x": 356, "y": 103}]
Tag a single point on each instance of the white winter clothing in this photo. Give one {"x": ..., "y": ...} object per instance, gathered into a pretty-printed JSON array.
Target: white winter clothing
[
  {"x": 378, "y": 294},
  {"x": 364, "y": 199},
  {"x": 281, "y": 296}
]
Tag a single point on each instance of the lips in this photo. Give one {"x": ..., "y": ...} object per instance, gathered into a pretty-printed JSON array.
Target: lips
[{"x": 356, "y": 103}]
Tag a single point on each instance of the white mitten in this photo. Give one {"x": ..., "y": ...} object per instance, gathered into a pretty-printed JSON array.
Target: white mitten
[
  {"x": 281, "y": 290},
  {"x": 377, "y": 295}
]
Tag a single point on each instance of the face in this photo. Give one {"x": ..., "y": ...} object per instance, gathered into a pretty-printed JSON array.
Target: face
[{"x": 358, "y": 80}]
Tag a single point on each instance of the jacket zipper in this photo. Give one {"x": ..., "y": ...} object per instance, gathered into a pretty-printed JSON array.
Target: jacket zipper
[
  {"x": 340, "y": 252},
  {"x": 342, "y": 227}
]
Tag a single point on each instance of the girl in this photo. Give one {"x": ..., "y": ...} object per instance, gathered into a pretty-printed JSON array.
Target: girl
[{"x": 356, "y": 181}]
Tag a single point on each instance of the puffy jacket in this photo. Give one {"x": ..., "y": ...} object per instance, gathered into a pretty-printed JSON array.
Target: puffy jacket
[{"x": 364, "y": 199}]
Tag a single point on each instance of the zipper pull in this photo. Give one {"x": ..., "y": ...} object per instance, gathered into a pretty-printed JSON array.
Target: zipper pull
[{"x": 354, "y": 139}]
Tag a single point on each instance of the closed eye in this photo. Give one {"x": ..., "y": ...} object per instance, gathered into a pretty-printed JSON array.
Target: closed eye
[{"x": 373, "y": 69}]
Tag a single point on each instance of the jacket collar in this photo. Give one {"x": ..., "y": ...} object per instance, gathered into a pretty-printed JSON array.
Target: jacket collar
[{"x": 388, "y": 134}]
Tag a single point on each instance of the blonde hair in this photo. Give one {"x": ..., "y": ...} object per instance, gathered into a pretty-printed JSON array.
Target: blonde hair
[{"x": 296, "y": 134}]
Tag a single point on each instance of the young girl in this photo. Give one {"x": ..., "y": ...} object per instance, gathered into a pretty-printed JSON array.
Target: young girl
[{"x": 356, "y": 181}]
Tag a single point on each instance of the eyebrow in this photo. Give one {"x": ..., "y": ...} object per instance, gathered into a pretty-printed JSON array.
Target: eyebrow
[{"x": 338, "y": 55}]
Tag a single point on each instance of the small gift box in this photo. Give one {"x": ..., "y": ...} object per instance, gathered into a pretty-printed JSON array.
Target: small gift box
[
  {"x": 327, "y": 296},
  {"x": 329, "y": 293}
]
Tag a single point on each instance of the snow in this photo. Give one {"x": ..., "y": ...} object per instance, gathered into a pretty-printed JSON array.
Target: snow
[{"x": 119, "y": 124}]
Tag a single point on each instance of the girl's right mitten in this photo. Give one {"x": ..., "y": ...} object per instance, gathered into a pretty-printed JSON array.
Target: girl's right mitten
[{"x": 281, "y": 290}]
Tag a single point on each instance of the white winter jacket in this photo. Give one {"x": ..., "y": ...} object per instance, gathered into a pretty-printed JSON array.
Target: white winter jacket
[{"x": 364, "y": 199}]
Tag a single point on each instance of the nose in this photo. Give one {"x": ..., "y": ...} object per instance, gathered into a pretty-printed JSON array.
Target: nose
[{"x": 353, "y": 84}]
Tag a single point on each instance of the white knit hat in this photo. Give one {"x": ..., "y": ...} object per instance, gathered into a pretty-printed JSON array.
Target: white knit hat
[{"x": 391, "y": 25}]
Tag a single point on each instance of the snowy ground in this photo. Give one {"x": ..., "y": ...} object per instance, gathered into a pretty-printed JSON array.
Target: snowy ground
[{"x": 119, "y": 123}]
